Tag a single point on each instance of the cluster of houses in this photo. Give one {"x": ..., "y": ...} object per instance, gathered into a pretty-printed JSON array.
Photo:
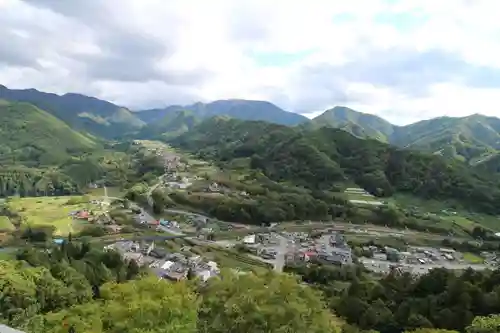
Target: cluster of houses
[
  {"x": 330, "y": 248},
  {"x": 172, "y": 180},
  {"x": 171, "y": 266},
  {"x": 98, "y": 218}
]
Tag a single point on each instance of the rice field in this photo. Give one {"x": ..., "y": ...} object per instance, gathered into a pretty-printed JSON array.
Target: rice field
[{"x": 51, "y": 211}]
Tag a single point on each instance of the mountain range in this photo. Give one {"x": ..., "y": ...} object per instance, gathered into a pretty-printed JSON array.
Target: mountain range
[
  {"x": 235, "y": 108},
  {"x": 474, "y": 139},
  {"x": 82, "y": 113}
]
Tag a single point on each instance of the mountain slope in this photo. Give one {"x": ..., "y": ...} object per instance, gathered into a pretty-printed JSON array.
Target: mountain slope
[
  {"x": 357, "y": 123},
  {"x": 473, "y": 139},
  {"x": 235, "y": 108},
  {"x": 31, "y": 136},
  {"x": 326, "y": 157},
  {"x": 173, "y": 124},
  {"x": 81, "y": 112}
]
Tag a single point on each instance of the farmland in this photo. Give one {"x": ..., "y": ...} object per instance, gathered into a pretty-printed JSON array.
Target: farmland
[{"x": 49, "y": 211}]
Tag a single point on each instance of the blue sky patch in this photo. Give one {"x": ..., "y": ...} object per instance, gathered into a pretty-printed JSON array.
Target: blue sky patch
[
  {"x": 278, "y": 58},
  {"x": 403, "y": 22}
]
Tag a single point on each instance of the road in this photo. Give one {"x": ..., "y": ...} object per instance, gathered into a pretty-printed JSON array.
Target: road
[
  {"x": 149, "y": 194},
  {"x": 183, "y": 212}
]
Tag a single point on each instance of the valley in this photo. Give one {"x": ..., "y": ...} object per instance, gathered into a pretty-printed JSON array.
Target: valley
[{"x": 235, "y": 192}]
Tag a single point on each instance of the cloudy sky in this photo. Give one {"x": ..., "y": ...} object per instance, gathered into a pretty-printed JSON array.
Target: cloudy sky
[{"x": 403, "y": 60}]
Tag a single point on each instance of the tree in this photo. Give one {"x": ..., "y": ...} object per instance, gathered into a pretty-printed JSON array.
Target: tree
[
  {"x": 147, "y": 305},
  {"x": 262, "y": 302},
  {"x": 489, "y": 324},
  {"x": 190, "y": 274}
]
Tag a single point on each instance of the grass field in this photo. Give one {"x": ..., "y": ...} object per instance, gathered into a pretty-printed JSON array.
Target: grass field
[
  {"x": 450, "y": 212},
  {"x": 50, "y": 211},
  {"x": 113, "y": 192},
  {"x": 5, "y": 224},
  {"x": 472, "y": 258}
]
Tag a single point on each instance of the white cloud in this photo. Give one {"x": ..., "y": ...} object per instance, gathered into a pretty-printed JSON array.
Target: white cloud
[{"x": 404, "y": 60}]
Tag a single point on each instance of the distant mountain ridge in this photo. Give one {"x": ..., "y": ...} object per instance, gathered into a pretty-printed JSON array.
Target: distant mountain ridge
[
  {"x": 236, "y": 108},
  {"x": 357, "y": 123},
  {"x": 473, "y": 138},
  {"x": 81, "y": 112},
  {"x": 172, "y": 124}
]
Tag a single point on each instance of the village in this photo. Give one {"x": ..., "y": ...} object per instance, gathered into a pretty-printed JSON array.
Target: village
[
  {"x": 332, "y": 247},
  {"x": 276, "y": 248},
  {"x": 171, "y": 266}
]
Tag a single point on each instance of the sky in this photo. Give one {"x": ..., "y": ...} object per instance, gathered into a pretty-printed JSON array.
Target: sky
[{"x": 401, "y": 60}]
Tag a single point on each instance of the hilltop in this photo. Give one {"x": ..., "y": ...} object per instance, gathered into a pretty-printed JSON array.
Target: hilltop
[{"x": 81, "y": 112}]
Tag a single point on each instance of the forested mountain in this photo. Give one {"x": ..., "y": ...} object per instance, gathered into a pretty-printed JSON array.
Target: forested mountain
[
  {"x": 236, "y": 108},
  {"x": 81, "y": 112},
  {"x": 171, "y": 125},
  {"x": 327, "y": 158},
  {"x": 360, "y": 124},
  {"x": 33, "y": 137},
  {"x": 474, "y": 139}
]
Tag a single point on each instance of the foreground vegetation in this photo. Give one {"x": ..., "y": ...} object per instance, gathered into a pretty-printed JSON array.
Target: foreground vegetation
[
  {"x": 398, "y": 302},
  {"x": 77, "y": 286}
]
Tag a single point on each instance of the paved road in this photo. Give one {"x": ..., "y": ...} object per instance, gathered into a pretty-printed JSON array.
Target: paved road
[{"x": 183, "y": 212}]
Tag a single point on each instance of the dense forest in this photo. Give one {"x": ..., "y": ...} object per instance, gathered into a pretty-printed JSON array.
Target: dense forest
[
  {"x": 33, "y": 182},
  {"x": 326, "y": 158},
  {"x": 399, "y": 301}
]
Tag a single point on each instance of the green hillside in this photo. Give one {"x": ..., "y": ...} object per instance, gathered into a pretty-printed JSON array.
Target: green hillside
[
  {"x": 330, "y": 159},
  {"x": 33, "y": 137},
  {"x": 81, "y": 112},
  {"x": 473, "y": 139}
]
